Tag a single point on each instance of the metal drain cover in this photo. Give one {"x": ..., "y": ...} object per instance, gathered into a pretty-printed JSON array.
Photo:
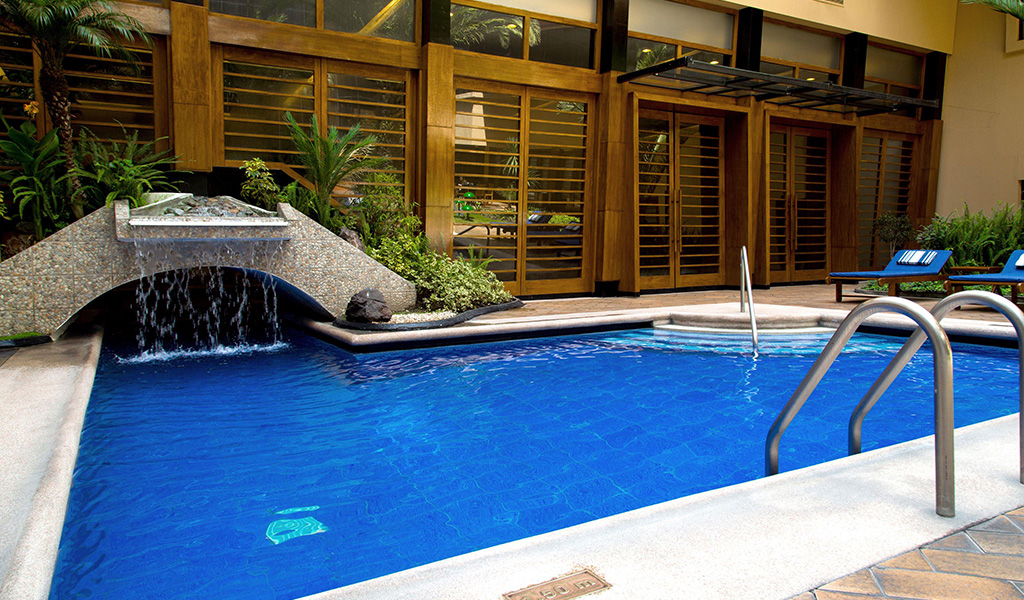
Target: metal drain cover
[{"x": 573, "y": 585}]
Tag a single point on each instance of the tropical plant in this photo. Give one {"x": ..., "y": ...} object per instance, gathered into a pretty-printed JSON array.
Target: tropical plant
[
  {"x": 331, "y": 159},
  {"x": 442, "y": 283},
  {"x": 976, "y": 239},
  {"x": 381, "y": 212},
  {"x": 122, "y": 170},
  {"x": 894, "y": 230},
  {"x": 473, "y": 26},
  {"x": 1011, "y": 7},
  {"x": 34, "y": 183},
  {"x": 56, "y": 27},
  {"x": 259, "y": 187}
]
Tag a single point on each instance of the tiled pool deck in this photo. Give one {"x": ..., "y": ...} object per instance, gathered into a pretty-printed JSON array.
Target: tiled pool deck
[{"x": 753, "y": 541}]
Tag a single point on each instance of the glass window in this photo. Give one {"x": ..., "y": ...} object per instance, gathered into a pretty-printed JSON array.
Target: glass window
[
  {"x": 891, "y": 65},
  {"x": 561, "y": 44},
  {"x": 377, "y": 106},
  {"x": 641, "y": 53},
  {"x": 17, "y": 85},
  {"x": 800, "y": 46},
  {"x": 681, "y": 22},
  {"x": 579, "y": 10},
  {"x": 715, "y": 58},
  {"x": 392, "y": 19},
  {"x": 108, "y": 93},
  {"x": 487, "y": 31},
  {"x": 256, "y": 98},
  {"x": 295, "y": 12}
]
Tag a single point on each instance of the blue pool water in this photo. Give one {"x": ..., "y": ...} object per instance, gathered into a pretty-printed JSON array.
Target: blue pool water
[{"x": 285, "y": 473}]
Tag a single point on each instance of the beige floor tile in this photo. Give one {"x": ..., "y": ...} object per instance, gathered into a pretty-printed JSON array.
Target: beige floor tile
[
  {"x": 860, "y": 582},
  {"x": 985, "y": 565},
  {"x": 999, "y": 543},
  {"x": 958, "y": 541},
  {"x": 912, "y": 560},
  {"x": 921, "y": 585}
]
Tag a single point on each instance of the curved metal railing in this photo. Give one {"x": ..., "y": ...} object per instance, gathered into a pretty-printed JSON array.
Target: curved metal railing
[
  {"x": 945, "y": 502},
  {"x": 912, "y": 345},
  {"x": 746, "y": 285}
]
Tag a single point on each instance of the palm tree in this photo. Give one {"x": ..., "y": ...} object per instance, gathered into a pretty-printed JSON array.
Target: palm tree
[
  {"x": 1013, "y": 8},
  {"x": 331, "y": 159},
  {"x": 56, "y": 27}
]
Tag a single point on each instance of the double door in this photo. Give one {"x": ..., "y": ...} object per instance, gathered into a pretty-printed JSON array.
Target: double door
[
  {"x": 680, "y": 194},
  {"x": 798, "y": 218}
]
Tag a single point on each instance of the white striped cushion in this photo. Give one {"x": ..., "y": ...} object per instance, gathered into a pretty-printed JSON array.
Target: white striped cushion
[{"x": 917, "y": 258}]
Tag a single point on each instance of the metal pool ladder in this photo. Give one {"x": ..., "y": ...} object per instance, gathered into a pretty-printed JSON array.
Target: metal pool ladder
[
  {"x": 745, "y": 285},
  {"x": 928, "y": 326}
]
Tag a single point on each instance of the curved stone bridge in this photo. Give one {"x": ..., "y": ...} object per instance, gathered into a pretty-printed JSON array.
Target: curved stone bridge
[{"x": 42, "y": 287}]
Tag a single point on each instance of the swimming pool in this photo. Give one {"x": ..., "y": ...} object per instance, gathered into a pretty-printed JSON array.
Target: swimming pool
[{"x": 194, "y": 473}]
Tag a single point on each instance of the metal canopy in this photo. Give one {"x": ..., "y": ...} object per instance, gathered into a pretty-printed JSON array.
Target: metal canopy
[{"x": 690, "y": 75}]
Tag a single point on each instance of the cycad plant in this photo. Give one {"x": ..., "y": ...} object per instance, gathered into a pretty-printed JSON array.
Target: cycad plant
[
  {"x": 56, "y": 27},
  {"x": 34, "y": 183},
  {"x": 1011, "y": 7},
  {"x": 331, "y": 159}
]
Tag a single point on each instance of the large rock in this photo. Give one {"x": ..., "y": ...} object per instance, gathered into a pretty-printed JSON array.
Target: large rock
[
  {"x": 351, "y": 237},
  {"x": 368, "y": 306}
]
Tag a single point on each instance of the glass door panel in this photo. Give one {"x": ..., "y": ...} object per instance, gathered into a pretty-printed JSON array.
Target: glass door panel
[{"x": 798, "y": 204}]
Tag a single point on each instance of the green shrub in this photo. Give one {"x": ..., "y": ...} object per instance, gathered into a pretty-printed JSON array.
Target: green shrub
[
  {"x": 442, "y": 283},
  {"x": 34, "y": 182},
  {"x": 974, "y": 239},
  {"x": 259, "y": 187},
  {"x": 563, "y": 220},
  {"x": 124, "y": 170},
  {"x": 381, "y": 212}
]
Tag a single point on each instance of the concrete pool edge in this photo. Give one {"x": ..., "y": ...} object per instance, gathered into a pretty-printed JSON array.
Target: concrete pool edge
[
  {"x": 770, "y": 538},
  {"x": 30, "y": 571},
  {"x": 770, "y": 317}
]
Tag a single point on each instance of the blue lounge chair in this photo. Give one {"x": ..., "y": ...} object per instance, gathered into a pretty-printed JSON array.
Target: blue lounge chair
[
  {"x": 1011, "y": 275},
  {"x": 907, "y": 265}
]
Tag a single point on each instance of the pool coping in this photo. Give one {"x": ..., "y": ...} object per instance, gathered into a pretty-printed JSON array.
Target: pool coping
[{"x": 31, "y": 569}]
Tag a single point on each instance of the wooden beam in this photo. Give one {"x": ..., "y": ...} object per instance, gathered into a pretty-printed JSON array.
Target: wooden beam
[
  {"x": 614, "y": 204},
  {"x": 191, "y": 87},
  {"x": 522, "y": 72},
  {"x": 437, "y": 104}
]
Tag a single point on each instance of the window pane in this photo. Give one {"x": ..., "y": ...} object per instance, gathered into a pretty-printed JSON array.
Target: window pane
[
  {"x": 377, "y": 105},
  {"x": 641, "y": 54},
  {"x": 798, "y": 45},
  {"x": 561, "y": 44},
  {"x": 392, "y": 19},
  {"x": 256, "y": 98},
  {"x": 487, "y": 31},
  {"x": 295, "y": 12},
  {"x": 894, "y": 66},
  {"x": 681, "y": 22},
  {"x": 486, "y": 194},
  {"x": 107, "y": 93},
  {"x": 715, "y": 58}
]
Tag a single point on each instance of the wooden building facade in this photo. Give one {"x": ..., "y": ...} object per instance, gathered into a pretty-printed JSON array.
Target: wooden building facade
[{"x": 516, "y": 136}]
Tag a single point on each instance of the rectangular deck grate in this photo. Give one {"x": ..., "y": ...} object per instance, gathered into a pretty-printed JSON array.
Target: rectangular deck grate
[{"x": 573, "y": 585}]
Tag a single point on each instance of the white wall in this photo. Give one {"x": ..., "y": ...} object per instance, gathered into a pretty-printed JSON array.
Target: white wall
[
  {"x": 982, "y": 159},
  {"x": 926, "y": 24}
]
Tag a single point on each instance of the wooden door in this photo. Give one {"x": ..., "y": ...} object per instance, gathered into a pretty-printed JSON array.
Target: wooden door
[
  {"x": 798, "y": 204},
  {"x": 680, "y": 196}
]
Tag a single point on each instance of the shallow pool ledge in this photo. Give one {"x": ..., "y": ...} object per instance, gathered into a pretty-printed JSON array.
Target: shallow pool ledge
[{"x": 761, "y": 540}]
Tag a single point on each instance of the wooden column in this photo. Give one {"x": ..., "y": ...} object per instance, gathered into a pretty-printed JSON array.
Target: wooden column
[
  {"x": 437, "y": 99},
  {"x": 843, "y": 218},
  {"x": 855, "y": 56},
  {"x": 922, "y": 208},
  {"x": 934, "y": 83},
  {"x": 740, "y": 197},
  {"x": 749, "y": 22},
  {"x": 615, "y": 260},
  {"x": 191, "y": 87},
  {"x": 758, "y": 126}
]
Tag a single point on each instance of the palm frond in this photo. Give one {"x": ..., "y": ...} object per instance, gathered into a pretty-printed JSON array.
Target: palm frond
[{"x": 1013, "y": 8}]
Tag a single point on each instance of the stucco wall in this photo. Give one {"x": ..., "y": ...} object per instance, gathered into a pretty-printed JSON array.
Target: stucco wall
[
  {"x": 926, "y": 24},
  {"x": 982, "y": 157}
]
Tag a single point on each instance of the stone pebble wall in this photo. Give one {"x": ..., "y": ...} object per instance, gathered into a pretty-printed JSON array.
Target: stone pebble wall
[{"x": 45, "y": 285}]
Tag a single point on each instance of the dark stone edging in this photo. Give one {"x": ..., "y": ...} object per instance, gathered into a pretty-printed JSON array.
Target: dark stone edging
[
  {"x": 459, "y": 318},
  {"x": 26, "y": 341}
]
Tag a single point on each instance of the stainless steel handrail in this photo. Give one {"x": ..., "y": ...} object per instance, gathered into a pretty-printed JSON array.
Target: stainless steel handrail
[
  {"x": 746, "y": 285},
  {"x": 940, "y": 310},
  {"x": 945, "y": 501}
]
